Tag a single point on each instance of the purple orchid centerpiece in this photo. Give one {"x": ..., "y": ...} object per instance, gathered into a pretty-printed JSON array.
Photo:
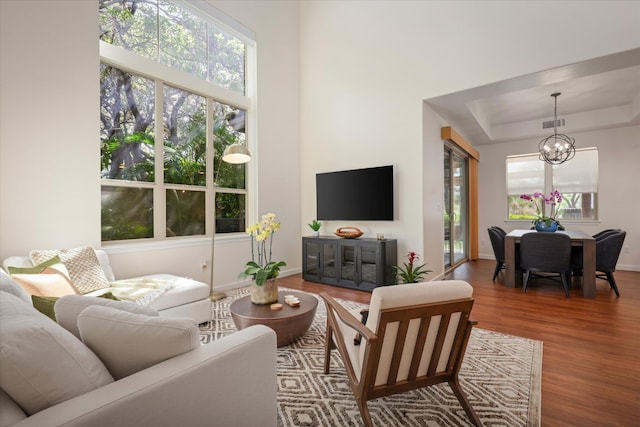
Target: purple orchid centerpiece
[{"x": 540, "y": 201}]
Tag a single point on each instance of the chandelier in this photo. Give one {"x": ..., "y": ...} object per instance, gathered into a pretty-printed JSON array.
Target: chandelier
[{"x": 557, "y": 148}]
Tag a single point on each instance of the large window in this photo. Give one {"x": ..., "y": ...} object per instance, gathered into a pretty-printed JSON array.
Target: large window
[
  {"x": 172, "y": 99},
  {"x": 576, "y": 180}
]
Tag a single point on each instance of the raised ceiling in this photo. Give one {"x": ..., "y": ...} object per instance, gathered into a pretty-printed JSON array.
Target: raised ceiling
[{"x": 600, "y": 93}]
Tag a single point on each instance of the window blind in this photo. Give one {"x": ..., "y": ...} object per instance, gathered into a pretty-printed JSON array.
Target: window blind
[
  {"x": 579, "y": 175},
  {"x": 525, "y": 174}
]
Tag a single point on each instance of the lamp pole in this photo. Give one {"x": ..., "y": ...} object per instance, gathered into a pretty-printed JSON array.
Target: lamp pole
[{"x": 233, "y": 154}]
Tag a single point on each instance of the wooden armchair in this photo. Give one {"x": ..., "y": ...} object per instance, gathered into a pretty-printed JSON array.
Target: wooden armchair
[{"x": 415, "y": 336}]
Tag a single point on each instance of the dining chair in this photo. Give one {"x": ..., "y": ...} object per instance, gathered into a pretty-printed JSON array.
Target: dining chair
[
  {"x": 415, "y": 336},
  {"x": 607, "y": 252},
  {"x": 546, "y": 253},
  {"x": 604, "y": 233},
  {"x": 496, "y": 235},
  {"x": 576, "y": 251}
]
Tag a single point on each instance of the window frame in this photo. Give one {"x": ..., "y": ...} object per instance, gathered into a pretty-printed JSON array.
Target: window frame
[
  {"x": 162, "y": 74},
  {"x": 548, "y": 188}
]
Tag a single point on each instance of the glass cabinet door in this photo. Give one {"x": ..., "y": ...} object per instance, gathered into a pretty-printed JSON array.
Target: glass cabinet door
[
  {"x": 368, "y": 259},
  {"x": 348, "y": 260},
  {"x": 329, "y": 260},
  {"x": 312, "y": 254}
]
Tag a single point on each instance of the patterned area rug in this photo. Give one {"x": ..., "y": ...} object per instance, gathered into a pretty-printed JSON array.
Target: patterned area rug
[{"x": 500, "y": 374}]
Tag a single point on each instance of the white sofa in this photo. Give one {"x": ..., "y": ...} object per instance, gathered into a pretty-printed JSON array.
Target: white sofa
[
  {"x": 189, "y": 298},
  {"x": 229, "y": 382}
]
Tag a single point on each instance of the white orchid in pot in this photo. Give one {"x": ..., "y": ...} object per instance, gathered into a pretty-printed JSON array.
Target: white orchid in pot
[{"x": 261, "y": 268}]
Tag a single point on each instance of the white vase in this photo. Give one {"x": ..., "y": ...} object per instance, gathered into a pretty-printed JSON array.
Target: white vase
[
  {"x": 315, "y": 233},
  {"x": 267, "y": 293}
]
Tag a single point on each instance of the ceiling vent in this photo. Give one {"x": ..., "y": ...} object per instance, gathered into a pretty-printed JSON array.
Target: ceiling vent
[{"x": 549, "y": 124}]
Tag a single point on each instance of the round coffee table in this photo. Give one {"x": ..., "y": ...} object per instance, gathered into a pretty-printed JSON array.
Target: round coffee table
[{"x": 289, "y": 323}]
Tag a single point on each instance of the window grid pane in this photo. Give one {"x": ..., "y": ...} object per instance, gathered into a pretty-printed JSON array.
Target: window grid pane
[
  {"x": 131, "y": 25},
  {"x": 230, "y": 213},
  {"x": 127, "y": 213},
  {"x": 185, "y": 213},
  {"x": 127, "y": 117},
  {"x": 185, "y": 139},
  {"x": 182, "y": 40},
  {"x": 228, "y": 128},
  {"x": 167, "y": 33}
]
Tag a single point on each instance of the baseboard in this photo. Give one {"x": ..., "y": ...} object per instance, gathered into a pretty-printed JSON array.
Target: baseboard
[{"x": 246, "y": 282}]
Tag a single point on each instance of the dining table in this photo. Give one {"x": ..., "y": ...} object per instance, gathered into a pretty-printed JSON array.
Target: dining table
[{"x": 513, "y": 271}]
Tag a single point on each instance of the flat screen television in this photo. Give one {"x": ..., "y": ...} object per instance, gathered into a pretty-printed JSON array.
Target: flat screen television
[{"x": 356, "y": 195}]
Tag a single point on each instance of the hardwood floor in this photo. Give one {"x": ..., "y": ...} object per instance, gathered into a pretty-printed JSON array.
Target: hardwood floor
[{"x": 591, "y": 361}]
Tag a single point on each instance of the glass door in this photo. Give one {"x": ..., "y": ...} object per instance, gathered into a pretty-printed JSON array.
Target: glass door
[{"x": 456, "y": 207}]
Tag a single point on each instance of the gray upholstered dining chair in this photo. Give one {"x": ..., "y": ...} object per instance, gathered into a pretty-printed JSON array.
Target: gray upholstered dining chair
[
  {"x": 546, "y": 253},
  {"x": 607, "y": 252},
  {"x": 604, "y": 233},
  {"x": 415, "y": 336},
  {"x": 576, "y": 256},
  {"x": 496, "y": 235}
]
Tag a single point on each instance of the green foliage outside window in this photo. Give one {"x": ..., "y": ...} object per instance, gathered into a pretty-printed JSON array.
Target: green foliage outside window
[{"x": 128, "y": 121}]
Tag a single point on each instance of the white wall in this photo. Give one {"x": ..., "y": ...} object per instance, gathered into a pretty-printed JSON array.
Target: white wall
[
  {"x": 49, "y": 129},
  {"x": 618, "y": 194},
  {"x": 367, "y": 65},
  {"x": 49, "y": 138}
]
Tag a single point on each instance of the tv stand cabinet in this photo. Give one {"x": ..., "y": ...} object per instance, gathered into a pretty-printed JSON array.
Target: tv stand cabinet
[{"x": 361, "y": 263}]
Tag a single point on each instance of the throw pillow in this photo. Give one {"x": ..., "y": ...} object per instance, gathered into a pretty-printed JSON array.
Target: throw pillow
[
  {"x": 41, "y": 364},
  {"x": 109, "y": 295},
  {"x": 68, "y": 308},
  {"x": 128, "y": 343},
  {"x": 84, "y": 268},
  {"x": 45, "y": 304},
  {"x": 7, "y": 284},
  {"x": 50, "y": 283},
  {"x": 54, "y": 263}
]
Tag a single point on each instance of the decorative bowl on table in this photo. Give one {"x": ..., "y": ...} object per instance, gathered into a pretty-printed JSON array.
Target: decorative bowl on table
[{"x": 348, "y": 232}]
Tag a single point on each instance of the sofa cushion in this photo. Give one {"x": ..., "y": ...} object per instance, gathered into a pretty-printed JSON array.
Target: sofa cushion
[
  {"x": 185, "y": 291},
  {"x": 68, "y": 308},
  {"x": 84, "y": 268},
  {"x": 7, "y": 284},
  {"x": 42, "y": 364},
  {"x": 128, "y": 343},
  {"x": 10, "y": 412}
]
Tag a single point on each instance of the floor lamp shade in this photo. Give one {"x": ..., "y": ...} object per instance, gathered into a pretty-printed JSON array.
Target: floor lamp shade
[{"x": 236, "y": 154}]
